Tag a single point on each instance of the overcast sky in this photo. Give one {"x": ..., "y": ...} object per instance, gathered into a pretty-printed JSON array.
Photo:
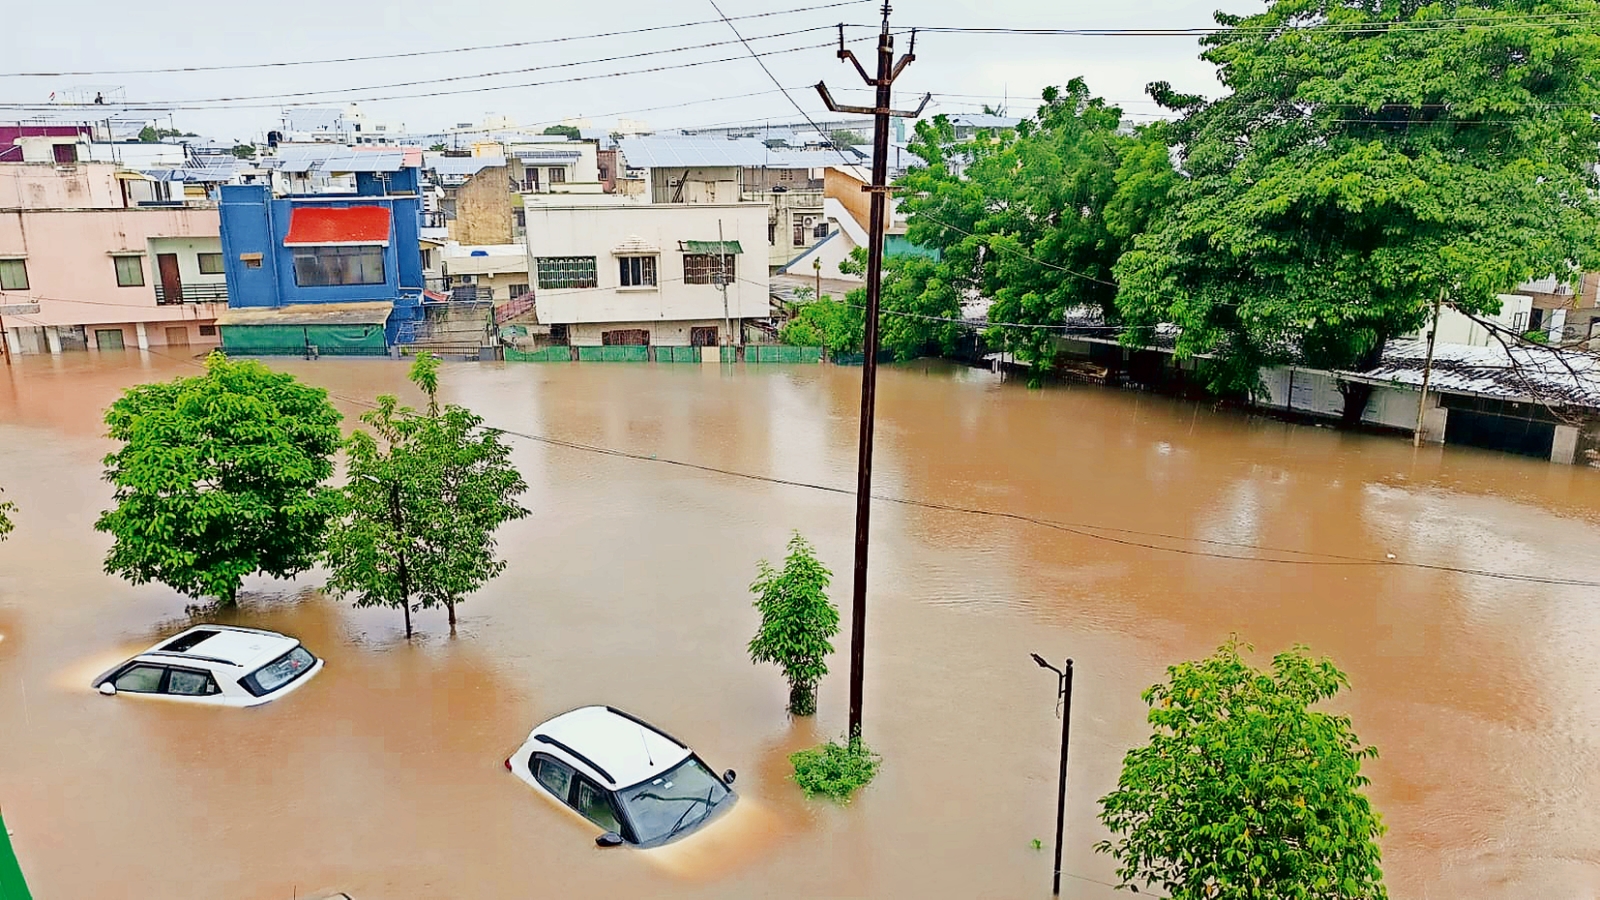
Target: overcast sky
[{"x": 101, "y": 35}]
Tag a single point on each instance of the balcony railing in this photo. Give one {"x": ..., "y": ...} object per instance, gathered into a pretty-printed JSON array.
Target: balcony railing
[{"x": 194, "y": 293}]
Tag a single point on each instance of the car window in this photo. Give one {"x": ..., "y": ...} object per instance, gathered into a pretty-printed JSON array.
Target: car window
[
  {"x": 674, "y": 802},
  {"x": 595, "y": 804},
  {"x": 140, "y": 679},
  {"x": 279, "y": 672},
  {"x": 555, "y": 775},
  {"x": 190, "y": 684}
]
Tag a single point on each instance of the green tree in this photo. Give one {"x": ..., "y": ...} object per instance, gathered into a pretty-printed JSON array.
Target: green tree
[
  {"x": 244, "y": 151},
  {"x": 826, "y": 323},
  {"x": 571, "y": 132},
  {"x": 1035, "y": 219},
  {"x": 798, "y": 622},
  {"x": 6, "y": 508},
  {"x": 149, "y": 135},
  {"x": 1244, "y": 792},
  {"x": 1365, "y": 159},
  {"x": 219, "y": 475},
  {"x": 422, "y": 508},
  {"x": 844, "y": 137},
  {"x": 438, "y": 148}
]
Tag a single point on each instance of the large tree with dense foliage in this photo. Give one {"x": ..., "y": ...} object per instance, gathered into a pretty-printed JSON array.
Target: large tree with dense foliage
[
  {"x": 1033, "y": 219},
  {"x": 426, "y": 492},
  {"x": 1365, "y": 158},
  {"x": 1244, "y": 792},
  {"x": 219, "y": 476},
  {"x": 6, "y": 508}
]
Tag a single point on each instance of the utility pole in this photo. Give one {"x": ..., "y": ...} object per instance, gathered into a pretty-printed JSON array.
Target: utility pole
[
  {"x": 1427, "y": 370},
  {"x": 722, "y": 282},
  {"x": 888, "y": 71}
]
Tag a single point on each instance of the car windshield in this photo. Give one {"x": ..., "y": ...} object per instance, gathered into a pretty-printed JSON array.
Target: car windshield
[
  {"x": 672, "y": 803},
  {"x": 279, "y": 672}
]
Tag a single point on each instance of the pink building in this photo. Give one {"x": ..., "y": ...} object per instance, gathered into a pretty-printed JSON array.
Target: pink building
[{"x": 84, "y": 266}]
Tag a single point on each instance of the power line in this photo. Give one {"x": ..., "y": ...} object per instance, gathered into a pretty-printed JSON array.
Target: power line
[
  {"x": 194, "y": 105},
  {"x": 1549, "y": 20},
  {"x": 417, "y": 53},
  {"x": 290, "y": 95},
  {"x": 1085, "y": 530}
]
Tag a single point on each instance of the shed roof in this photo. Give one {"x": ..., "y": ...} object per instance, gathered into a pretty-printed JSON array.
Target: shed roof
[
  {"x": 366, "y": 312},
  {"x": 337, "y": 225}
]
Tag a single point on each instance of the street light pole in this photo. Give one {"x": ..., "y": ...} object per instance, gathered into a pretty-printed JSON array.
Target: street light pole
[{"x": 1064, "y": 696}]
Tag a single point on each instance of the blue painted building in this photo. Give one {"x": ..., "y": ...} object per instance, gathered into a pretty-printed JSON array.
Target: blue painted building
[{"x": 335, "y": 273}]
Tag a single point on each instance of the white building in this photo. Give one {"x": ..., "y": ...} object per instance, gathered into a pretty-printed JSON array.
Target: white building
[{"x": 673, "y": 274}]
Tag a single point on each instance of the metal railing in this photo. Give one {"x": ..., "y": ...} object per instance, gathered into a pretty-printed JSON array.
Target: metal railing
[{"x": 194, "y": 293}]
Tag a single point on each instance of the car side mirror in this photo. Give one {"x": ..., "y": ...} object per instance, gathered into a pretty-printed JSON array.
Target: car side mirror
[
  {"x": 107, "y": 688},
  {"x": 609, "y": 839},
  {"x": 729, "y": 776}
]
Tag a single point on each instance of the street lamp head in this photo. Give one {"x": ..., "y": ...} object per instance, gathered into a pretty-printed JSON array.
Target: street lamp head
[{"x": 1040, "y": 660}]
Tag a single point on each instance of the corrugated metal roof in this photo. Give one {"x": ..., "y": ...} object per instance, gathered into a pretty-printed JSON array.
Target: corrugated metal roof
[
  {"x": 709, "y": 152},
  {"x": 1521, "y": 372}
]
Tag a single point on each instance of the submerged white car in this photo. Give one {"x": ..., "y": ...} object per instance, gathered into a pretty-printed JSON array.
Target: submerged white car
[
  {"x": 221, "y": 665},
  {"x": 636, "y": 783}
]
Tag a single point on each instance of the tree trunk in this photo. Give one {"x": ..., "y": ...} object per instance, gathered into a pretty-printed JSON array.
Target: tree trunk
[
  {"x": 802, "y": 698},
  {"x": 450, "y": 606},
  {"x": 407, "y": 608},
  {"x": 1356, "y": 393}
]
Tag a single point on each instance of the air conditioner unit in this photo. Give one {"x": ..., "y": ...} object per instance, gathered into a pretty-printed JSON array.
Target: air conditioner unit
[{"x": 810, "y": 221}]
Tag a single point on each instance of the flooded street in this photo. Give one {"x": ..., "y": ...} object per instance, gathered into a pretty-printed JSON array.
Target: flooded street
[{"x": 628, "y": 586}]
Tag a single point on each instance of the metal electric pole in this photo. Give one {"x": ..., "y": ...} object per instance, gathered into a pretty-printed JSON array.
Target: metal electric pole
[{"x": 878, "y": 192}]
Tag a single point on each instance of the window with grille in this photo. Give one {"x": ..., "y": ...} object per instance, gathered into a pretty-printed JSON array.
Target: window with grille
[
  {"x": 821, "y": 230},
  {"x": 703, "y": 268},
  {"x": 208, "y": 331},
  {"x": 772, "y": 232},
  {"x": 517, "y": 290},
  {"x": 210, "y": 263},
  {"x": 130, "y": 271},
  {"x": 333, "y": 266},
  {"x": 558, "y": 176},
  {"x": 799, "y": 234},
  {"x": 566, "y": 271},
  {"x": 636, "y": 271},
  {"x": 13, "y": 274}
]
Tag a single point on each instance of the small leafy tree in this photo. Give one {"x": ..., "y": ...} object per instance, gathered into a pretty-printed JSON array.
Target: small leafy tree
[
  {"x": 6, "y": 507},
  {"x": 844, "y": 137},
  {"x": 422, "y": 507},
  {"x": 570, "y": 132},
  {"x": 797, "y": 622},
  {"x": 437, "y": 147},
  {"x": 1244, "y": 792},
  {"x": 219, "y": 476},
  {"x": 243, "y": 151}
]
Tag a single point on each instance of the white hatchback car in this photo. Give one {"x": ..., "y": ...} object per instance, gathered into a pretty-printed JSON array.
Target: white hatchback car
[
  {"x": 636, "y": 783},
  {"x": 216, "y": 664}
]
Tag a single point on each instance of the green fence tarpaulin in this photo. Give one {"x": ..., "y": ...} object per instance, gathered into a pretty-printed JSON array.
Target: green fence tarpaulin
[
  {"x": 12, "y": 885},
  {"x": 276, "y": 340}
]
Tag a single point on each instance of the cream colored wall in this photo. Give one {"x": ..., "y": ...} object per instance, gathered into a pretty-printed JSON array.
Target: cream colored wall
[
  {"x": 44, "y": 186},
  {"x": 597, "y": 230},
  {"x": 662, "y": 334}
]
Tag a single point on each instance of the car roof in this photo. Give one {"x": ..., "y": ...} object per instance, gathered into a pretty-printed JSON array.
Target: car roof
[
  {"x": 621, "y": 749},
  {"x": 246, "y": 648}
]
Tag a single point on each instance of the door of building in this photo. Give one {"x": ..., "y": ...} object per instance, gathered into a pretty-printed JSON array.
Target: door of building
[
  {"x": 171, "y": 284},
  {"x": 703, "y": 336},
  {"x": 178, "y": 337},
  {"x": 108, "y": 338}
]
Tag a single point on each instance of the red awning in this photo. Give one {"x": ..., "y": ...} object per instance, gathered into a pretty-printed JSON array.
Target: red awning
[{"x": 335, "y": 225}]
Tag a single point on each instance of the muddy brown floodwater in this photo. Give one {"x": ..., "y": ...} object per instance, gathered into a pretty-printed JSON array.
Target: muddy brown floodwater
[{"x": 627, "y": 586}]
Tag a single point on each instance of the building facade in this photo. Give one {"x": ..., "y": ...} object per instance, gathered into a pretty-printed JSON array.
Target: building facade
[
  {"x": 676, "y": 274},
  {"x": 82, "y": 268},
  {"x": 324, "y": 273}
]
